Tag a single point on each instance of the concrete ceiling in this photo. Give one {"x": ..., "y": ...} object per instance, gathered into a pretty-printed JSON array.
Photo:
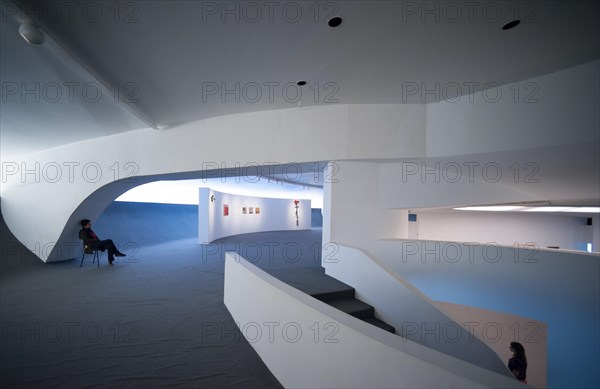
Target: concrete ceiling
[{"x": 172, "y": 60}]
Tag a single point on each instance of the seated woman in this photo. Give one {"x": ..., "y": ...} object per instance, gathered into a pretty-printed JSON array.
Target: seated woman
[{"x": 91, "y": 242}]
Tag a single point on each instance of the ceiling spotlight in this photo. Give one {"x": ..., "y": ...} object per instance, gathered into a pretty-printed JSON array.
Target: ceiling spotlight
[
  {"x": 511, "y": 24},
  {"x": 301, "y": 83},
  {"x": 31, "y": 34},
  {"x": 334, "y": 21}
]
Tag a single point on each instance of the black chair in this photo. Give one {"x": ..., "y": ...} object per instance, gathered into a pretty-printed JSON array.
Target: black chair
[{"x": 89, "y": 250}]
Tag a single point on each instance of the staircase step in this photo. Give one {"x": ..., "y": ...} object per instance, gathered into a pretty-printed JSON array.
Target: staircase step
[
  {"x": 353, "y": 307},
  {"x": 314, "y": 282},
  {"x": 335, "y": 295},
  {"x": 381, "y": 324}
]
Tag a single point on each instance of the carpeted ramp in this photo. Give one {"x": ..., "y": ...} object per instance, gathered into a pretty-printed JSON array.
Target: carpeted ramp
[{"x": 155, "y": 319}]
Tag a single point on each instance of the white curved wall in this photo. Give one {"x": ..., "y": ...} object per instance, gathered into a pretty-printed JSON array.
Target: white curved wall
[
  {"x": 49, "y": 186},
  {"x": 63, "y": 177},
  {"x": 275, "y": 215},
  {"x": 307, "y": 343},
  {"x": 567, "y": 173}
]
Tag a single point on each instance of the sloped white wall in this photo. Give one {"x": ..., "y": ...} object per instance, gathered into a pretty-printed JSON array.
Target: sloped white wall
[
  {"x": 306, "y": 343},
  {"x": 414, "y": 316},
  {"x": 275, "y": 215}
]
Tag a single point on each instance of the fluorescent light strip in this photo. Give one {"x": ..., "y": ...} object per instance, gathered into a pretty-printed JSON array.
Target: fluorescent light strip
[
  {"x": 516, "y": 208},
  {"x": 584, "y": 209},
  {"x": 495, "y": 208},
  {"x": 547, "y": 209}
]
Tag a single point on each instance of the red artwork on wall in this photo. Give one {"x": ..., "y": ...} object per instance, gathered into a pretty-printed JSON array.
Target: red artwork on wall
[{"x": 225, "y": 209}]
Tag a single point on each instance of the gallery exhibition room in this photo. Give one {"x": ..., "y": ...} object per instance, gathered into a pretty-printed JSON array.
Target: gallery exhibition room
[{"x": 300, "y": 194}]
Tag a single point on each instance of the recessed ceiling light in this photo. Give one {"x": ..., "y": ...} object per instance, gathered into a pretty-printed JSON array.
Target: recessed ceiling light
[
  {"x": 31, "y": 34},
  {"x": 301, "y": 83},
  {"x": 335, "y": 21},
  {"x": 523, "y": 208},
  {"x": 511, "y": 24}
]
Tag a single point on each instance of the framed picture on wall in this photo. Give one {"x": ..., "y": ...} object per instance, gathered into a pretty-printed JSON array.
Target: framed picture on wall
[
  {"x": 244, "y": 210},
  {"x": 257, "y": 210},
  {"x": 250, "y": 210},
  {"x": 225, "y": 209}
]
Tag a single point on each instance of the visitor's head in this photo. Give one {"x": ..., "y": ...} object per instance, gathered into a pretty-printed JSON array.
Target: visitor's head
[
  {"x": 86, "y": 223},
  {"x": 517, "y": 349}
]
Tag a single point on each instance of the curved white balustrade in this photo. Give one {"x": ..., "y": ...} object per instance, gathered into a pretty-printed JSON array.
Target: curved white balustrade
[{"x": 307, "y": 343}]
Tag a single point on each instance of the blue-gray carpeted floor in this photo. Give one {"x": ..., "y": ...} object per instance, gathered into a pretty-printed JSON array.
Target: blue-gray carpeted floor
[{"x": 155, "y": 319}]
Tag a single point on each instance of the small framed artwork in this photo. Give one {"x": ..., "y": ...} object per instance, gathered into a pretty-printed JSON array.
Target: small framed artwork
[
  {"x": 250, "y": 210},
  {"x": 257, "y": 210},
  {"x": 225, "y": 209},
  {"x": 244, "y": 210}
]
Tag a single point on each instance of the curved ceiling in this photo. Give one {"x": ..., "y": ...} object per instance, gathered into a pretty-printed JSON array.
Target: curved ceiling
[{"x": 178, "y": 61}]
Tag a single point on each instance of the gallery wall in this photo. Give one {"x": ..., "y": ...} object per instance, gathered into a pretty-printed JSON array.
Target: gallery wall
[{"x": 224, "y": 214}]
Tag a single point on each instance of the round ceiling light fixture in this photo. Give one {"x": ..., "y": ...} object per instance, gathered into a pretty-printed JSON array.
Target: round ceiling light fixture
[
  {"x": 31, "y": 34},
  {"x": 511, "y": 24},
  {"x": 334, "y": 21}
]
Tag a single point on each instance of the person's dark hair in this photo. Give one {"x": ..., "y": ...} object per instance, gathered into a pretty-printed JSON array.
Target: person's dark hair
[
  {"x": 84, "y": 222},
  {"x": 519, "y": 351}
]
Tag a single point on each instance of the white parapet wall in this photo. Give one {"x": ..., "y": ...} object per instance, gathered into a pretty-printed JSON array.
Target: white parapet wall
[
  {"x": 224, "y": 214},
  {"x": 307, "y": 343},
  {"x": 415, "y": 317}
]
